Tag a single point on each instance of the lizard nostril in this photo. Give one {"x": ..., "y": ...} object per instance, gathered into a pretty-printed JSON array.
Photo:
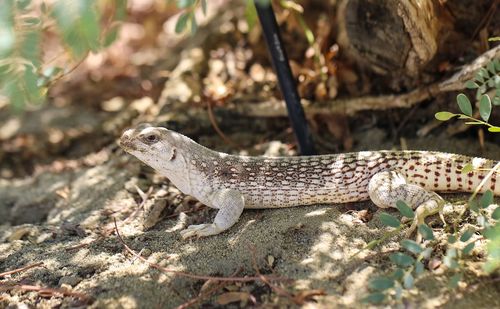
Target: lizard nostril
[{"x": 127, "y": 134}]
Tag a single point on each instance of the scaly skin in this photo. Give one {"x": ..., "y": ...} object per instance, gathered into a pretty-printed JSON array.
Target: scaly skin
[{"x": 231, "y": 183}]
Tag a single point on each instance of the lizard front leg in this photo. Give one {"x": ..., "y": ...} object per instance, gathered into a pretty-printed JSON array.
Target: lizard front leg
[
  {"x": 387, "y": 187},
  {"x": 230, "y": 204}
]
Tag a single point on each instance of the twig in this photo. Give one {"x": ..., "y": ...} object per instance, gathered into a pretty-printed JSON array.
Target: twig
[
  {"x": 352, "y": 106},
  {"x": 216, "y": 127},
  {"x": 75, "y": 247},
  {"x": 45, "y": 292},
  {"x": 486, "y": 19},
  {"x": 189, "y": 275},
  {"x": 277, "y": 289},
  {"x": 20, "y": 269},
  {"x": 204, "y": 294},
  {"x": 144, "y": 198}
]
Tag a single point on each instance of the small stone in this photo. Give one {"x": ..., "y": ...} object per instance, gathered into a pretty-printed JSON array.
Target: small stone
[
  {"x": 69, "y": 280},
  {"x": 146, "y": 252}
]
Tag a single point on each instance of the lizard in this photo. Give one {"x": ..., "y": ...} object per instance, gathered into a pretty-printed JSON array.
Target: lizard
[{"x": 231, "y": 183}]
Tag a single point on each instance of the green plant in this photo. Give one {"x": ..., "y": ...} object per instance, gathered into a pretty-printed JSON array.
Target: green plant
[
  {"x": 409, "y": 264},
  {"x": 487, "y": 78},
  {"x": 187, "y": 17},
  {"x": 24, "y": 78}
]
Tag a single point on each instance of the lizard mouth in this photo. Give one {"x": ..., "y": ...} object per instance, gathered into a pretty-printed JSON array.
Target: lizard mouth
[
  {"x": 127, "y": 145},
  {"x": 126, "y": 142}
]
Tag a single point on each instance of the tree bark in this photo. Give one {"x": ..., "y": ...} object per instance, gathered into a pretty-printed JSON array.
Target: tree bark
[{"x": 391, "y": 36}]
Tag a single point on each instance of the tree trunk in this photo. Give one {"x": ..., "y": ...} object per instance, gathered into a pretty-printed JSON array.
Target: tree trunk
[{"x": 391, "y": 36}]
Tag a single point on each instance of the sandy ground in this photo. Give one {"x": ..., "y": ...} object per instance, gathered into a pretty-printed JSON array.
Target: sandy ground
[{"x": 65, "y": 220}]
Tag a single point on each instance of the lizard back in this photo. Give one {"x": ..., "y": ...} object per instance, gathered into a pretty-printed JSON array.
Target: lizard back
[{"x": 268, "y": 182}]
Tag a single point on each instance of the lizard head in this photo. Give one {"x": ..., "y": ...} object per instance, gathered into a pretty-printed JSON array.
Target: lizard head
[{"x": 155, "y": 146}]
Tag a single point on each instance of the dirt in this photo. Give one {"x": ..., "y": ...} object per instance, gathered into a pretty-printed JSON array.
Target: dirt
[
  {"x": 65, "y": 220},
  {"x": 64, "y": 181}
]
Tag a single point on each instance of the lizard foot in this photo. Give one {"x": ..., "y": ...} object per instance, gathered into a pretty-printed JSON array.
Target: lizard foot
[
  {"x": 424, "y": 210},
  {"x": 200, "y": 230}
]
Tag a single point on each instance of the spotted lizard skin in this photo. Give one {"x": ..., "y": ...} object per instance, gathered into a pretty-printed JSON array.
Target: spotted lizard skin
[{"x": 274, "y": 182}]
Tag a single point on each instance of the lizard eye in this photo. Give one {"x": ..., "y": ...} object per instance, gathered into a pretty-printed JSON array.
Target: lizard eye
[{"x": 151, "y": 138}]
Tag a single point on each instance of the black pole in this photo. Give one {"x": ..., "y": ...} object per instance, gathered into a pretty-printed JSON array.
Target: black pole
[{"x": 285, "y": 77}]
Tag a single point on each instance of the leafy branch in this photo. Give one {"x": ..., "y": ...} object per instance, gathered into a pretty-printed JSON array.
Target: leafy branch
[{"x": 486, "y": 79}]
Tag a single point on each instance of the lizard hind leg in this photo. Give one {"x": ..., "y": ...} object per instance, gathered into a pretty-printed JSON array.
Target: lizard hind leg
[
  {"x": 230, "y": 204},
  {"x": 387, "y": 187}
]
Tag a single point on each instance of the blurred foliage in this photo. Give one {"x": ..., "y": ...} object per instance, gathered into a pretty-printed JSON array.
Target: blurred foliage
[{"x": 24, "y": 79}]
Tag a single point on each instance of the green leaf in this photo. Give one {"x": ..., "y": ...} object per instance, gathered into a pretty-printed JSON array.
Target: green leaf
[
  {"x": 491, "y": 67},
  {"x": 492, "y": 233},
  {"x": 450, "y": 258},
  {"x": 491, "y": 265},
  {"x": 401, "y": 259},
  {"x": 31, "y": 21},
  {"x": 181, "y": 24},
  {"x": 480, "y": 91},
  {"x": 194, "y": 24},
  {"x": 466, "y": 235},
  {"x": 389, "y": 220},
  {"x": 408, "y": 281},
  {"x": 484, "y": 73},
  {"x": 398, "y": 292},
  {"x": 398, "y": 274},
  {"x": 426, "y": 253},
  {"x": 374, "y": 298},
  {"x": 496, "y": 81},
  {"x": 464, "y": 104},
  {"x": 120, "y": 10},
  {"x": 493, "y": 259},
  {"x": 485, "y": 107},
  {"x": 182, "y": 4},
  {"x": 404, "y": 209},
  {"x": 426, "y": 231},
  {"x": 497, "y": 64},
  {"x": 479, "y": 77},
  {"x": 381, "y": 283},
  {"x": 471, "y": 85},
  {"x": 30, "y": 47},
  {"x": 23, "y": 4},
  {"x": 443, "y": 116},
  {"x": 467, "y": 168},
  {"x": 78, "y": 21},
  {"x": 496, "y": 100},
  {"x": 411, "y": 246},
  {"x": 250, "y": 14},
  {"x": 419, "y": 268},
  {"x": 467, "y": 249},
  {"x": 110, "y": 37},
  {"x": 452, "y": 239},
  {"x": 494, "y": 129},
  {"x": 487, "y": 199},
  {"x": 454, "y": 280},
  {"x": 496, "y": 214}
]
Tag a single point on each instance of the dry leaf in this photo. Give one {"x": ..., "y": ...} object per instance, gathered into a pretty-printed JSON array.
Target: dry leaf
[
  {"x": 209, "y": 284},
  {"x": 63, "y": 193},
  {"x": 20, "y": 233},
  {"x": 304, "y": 296},
  {"x": 270, "y": 260},
  {"x": 231, "y": 297}
]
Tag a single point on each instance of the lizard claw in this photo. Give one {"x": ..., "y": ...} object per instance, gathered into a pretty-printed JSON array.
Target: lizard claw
[
  {"x": 428, "y": 208},
  {"x": 200, "y": 230}
]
